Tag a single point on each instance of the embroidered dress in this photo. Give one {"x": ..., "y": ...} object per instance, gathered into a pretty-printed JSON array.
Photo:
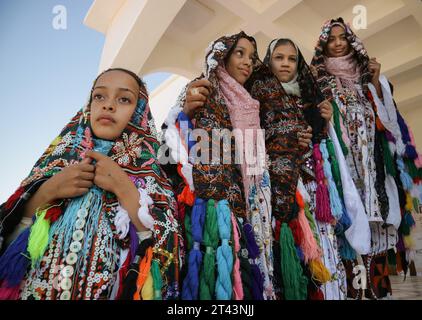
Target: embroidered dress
[
  {"x": 365, "y": 127},
  {"x": 283, "y": 115},
  {"x": 89, "y": 242},
  {"x": 233, "y": 187}
]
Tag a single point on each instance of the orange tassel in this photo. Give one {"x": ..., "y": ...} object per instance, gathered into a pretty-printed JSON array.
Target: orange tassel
[
  {"x": 144, "y": 268},
  {"x": 187, "y": 196}
]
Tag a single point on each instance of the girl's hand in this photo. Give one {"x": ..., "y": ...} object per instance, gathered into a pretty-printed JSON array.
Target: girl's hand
[
  {"x": 196, "y": 96},
  {"x": 305, "y": 137},
  {"x": 73, "y": 181},
  {"x": 108, "y": 174},
  {"x": 326, "y": 110},
  {"x": 111, "y": 177},
  {"x": 375, "y": 70}
]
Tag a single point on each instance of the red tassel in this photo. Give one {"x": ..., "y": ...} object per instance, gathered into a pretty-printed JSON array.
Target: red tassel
[
  {"x": 296, "y": 231},
  {"x": 316, "y": 294},
  {"x": 53, "y": 214},
  {"x": 122, "y": 273},
  {"x": 9, "y": 293},
  {"x": 277, "y": 230},
  {"x": 13, "y": 198}
]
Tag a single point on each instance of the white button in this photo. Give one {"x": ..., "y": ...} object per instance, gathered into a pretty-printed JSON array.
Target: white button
[
  {"x": 79, "y": 224},
  {"x": 82, "y": 213},
  {"x": 66, "y": 284},
  {"x": 65, "y": 295},
  {"x": 67, "y": 271},
  {"x": 71, "y": 258},
  {"x": 75, "y": 246},
  {"x": 78, "y": 235}
]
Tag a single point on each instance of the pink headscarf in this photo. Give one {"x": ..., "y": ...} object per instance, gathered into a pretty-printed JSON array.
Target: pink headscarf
[{"x": 244, "y": 114}]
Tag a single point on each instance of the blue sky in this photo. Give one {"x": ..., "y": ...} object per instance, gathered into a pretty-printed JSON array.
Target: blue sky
[{"x": 45, "y": 77}]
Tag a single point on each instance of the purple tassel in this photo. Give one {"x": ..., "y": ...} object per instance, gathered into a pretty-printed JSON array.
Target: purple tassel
[
  {"x": 134, "y": 241},
  {"x": 390, "y": 137},
  {"x": 411, "y": 152},
  {"x": 15, "y": 261},
  {"x": 257, "y": 283},
  {"x": 253, "y": 250},
  {"x": 400, "y": 244}
]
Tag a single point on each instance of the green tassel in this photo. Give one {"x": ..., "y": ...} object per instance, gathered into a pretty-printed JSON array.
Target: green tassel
[
  {"x": 294, "y": 282},
  {"x": 335, "y": 169},
  {"x": 188, "y": 232},
  {"x": 312, "y": 223},
  {"x": 337, "y": 128},
  {"x": 388, "y": 157},
  {"x": 210, "y": 240},
  {"x": 411, "y": 168},
  {"x": 391, "y": 257},
  {"x": 38, "y": 238},
  {"x": 156, "y": 279}
]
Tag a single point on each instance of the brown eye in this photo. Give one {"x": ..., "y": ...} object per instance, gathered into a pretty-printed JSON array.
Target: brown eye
[
  {"x": 125, "y": 100},
  {"x": 98, "y": 97}
]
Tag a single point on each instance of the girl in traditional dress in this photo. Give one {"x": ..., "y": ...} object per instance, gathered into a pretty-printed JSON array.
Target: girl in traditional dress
[
  {"x": 229, "y": 224},
  {"x": 378, "y": 149},
  {"x": 95, "y": 205}
]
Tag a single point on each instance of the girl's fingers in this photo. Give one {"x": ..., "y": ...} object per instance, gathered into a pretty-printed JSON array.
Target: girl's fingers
[{"x": 87, "y": 176}]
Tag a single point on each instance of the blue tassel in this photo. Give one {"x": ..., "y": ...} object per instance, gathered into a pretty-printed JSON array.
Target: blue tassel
[
  {"x": 15, "y": 261},
  {"x": 335, "y": 200},
  {"x": 411, "y": 152},
  {"x": 406, "y": 180},
  {"x": 300, "y": 253},
  {"x": 223, "y": 286},
  {"x": 191, "y": 281},
  {"x": 346, "y": 251},
  {"x": 409, "y": 219},
  {"x": 345, "y": 220}
]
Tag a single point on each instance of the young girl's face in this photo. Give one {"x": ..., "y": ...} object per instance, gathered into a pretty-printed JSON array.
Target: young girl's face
[
  {"x": 337, "y": 45},
  {"x": 240, "y": 63},
  {"x": 284, "y": 62},
  {"x": 114, "y": 100}
]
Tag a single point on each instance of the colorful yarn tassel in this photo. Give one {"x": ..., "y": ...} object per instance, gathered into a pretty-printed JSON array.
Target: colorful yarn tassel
[
  {"x": 253, "y": 253},
  {"x": 144, "y": 268},
  {"x": 406, "y": 180},
  {"x": 157, "y": 279},
  {"x": 15, "y": 261},
  {"x": 309, "y": 246},
  {"x": 335, "y": 168},
  {"x": 294, "y": 282},
  {"x": 38, "y": 238},
  {"x": 323, "y": 211},
  {"x": 337, "y": 128},
  {"x": 207, "y": 277},
  {"x": 224, "y": 253},
  {"x": 237, "y": 279},
  {"x": 191, "y": 282},
  {"x": 319, "y": 272}
]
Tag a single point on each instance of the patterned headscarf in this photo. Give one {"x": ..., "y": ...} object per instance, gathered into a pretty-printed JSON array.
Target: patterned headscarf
[
  {"x": 356, "y": 45},
  {"x": 310, "y": 93},
  {"x": 135, "y": 151},
  {"x": 219, "y": 181}
]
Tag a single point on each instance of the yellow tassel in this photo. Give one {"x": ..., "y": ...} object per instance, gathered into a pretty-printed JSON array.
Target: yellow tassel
[
  {"x": 409, "y": 242},
  {"x": 319, "y": 271},
  {"x": 409, "y": 202},
  {"x": 147, "y": 291}
]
